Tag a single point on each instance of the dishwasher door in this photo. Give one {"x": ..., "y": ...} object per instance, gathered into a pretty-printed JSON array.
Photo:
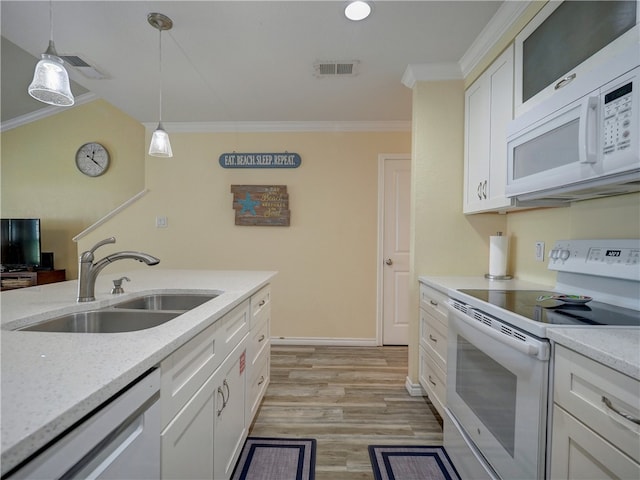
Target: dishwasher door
[{"x": 120, "y": 440}]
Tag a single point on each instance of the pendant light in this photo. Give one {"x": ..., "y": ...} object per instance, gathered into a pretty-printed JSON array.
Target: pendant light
[
  {"x": 50, "y": 82},
  {"x": 160, "y": 145}
]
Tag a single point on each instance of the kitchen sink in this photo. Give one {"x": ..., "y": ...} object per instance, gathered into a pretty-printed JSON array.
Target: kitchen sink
[
  {"x": 167, "y": 301},
  {"x": 103, "y": 321}
]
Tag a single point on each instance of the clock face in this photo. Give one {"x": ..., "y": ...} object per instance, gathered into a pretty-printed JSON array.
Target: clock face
[{"x": 92, "y": 159}]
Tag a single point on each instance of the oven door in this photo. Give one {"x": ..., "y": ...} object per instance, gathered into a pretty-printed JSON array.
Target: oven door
[{"x": 497, "y": 390}]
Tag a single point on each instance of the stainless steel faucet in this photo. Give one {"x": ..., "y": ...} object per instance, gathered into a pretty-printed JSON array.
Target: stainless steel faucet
[{"x": 88, "y": 271}]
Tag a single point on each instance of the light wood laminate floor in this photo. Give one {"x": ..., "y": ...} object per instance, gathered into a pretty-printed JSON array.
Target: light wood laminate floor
[{"x": 346, "y": 398}]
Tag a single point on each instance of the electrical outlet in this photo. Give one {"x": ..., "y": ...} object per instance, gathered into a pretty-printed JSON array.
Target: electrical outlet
[
  {"x": 540, "y": 251},
  {"x": 161, "y": 222}
]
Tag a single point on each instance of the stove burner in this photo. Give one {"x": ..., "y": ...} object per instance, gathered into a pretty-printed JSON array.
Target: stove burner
[{"x": 525, "y": 303}]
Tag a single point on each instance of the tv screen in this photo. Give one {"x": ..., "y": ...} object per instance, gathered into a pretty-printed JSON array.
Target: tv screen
[{"x": 20, "y": 242}]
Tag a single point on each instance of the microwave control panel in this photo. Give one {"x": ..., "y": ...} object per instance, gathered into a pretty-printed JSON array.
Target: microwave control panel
[{"x": 617, "y": 119}]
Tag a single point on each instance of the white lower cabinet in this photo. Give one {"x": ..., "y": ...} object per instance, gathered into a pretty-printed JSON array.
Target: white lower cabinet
[
  {"x": 230, "y": 428},
  {"x": 211, "y": 389},
  {"x": 433, "y": 346},
  {"x": 187, "y": 443},
  {"x": 592, "y": 438}
]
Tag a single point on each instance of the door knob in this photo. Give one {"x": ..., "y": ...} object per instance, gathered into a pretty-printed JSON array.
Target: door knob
[{"x": 389, "y": 261}]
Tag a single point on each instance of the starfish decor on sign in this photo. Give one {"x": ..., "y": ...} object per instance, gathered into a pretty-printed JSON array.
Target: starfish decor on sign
[{"x": 248, "y": 205}]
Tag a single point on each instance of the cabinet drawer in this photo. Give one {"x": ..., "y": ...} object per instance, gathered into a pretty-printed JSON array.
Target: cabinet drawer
[
  {"x": 433, "y": 380},
  {"x": 261, "y": 305},
  {"x": 581, "y": 386},
  {"x": 258, "y": 381},
  {"x": 433, "y": 337},
  {"x": 186, "y": 370},
  {"x": 258, "y": 342},
  {"x": 433, "y": 302}
]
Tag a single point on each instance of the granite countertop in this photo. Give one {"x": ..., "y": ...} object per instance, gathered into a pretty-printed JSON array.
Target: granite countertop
[
  {"x": 618, "y": 348},
  {"x": 615, "y": 347},
  {"x": 49, "y": 381}
]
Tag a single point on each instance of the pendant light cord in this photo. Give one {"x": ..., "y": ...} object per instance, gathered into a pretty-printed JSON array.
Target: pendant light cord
[
  {"x": 51, "y": 20},
  {"x": 160, "y": 63}
]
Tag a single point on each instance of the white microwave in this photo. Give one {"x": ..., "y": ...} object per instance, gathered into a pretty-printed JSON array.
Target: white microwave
[{"x": 582, "y": 143}]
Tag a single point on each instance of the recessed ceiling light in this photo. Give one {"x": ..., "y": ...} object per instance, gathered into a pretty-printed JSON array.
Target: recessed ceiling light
[{"x": 357, "y": 10}]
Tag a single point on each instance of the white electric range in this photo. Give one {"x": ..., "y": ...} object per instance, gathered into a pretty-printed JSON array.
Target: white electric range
[{"x": 499, "y": 356}]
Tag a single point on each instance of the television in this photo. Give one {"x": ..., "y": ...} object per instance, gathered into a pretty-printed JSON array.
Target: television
[{"x": 20, "y": 243}]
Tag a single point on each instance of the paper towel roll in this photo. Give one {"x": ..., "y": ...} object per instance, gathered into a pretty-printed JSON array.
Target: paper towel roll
[{"x": 498, "y": 254}]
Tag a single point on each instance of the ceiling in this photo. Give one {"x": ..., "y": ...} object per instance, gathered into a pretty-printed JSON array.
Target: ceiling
[{"x": 239, "y": 61}]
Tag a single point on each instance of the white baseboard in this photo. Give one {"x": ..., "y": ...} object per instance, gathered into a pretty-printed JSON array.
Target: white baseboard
[
  {"x": 325, "y": 341},
  {"x": 414, "y": 389}
]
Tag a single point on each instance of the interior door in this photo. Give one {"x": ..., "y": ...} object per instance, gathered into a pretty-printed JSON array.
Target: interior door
[{"x": 396, "y": 174}]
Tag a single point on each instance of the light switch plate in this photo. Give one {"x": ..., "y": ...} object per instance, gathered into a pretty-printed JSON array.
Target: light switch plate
[
  {"x": 540, "y": 251},
  {"x": 161, "y": 222}
]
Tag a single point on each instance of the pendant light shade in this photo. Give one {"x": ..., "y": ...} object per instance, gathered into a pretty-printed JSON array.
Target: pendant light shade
[
  {"x": 50, "y": 82},
  {"x": 160, "y": 145}
]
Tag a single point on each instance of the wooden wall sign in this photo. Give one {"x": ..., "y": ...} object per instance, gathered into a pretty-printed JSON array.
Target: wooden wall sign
[
  {"x": 260, "y": 160},
  {"x": 261, "y": 205}
]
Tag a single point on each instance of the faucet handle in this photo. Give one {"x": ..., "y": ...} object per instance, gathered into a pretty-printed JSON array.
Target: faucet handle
[
  {"x": 102, "y": 242},
  {"x": 117, "y": 285}
]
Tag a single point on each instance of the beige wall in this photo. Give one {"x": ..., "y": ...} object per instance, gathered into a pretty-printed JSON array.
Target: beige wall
[
  {"x": 444, "y": 241},
  {"x": 327, "y": 258},
  {"x": 40, "y": 179}
]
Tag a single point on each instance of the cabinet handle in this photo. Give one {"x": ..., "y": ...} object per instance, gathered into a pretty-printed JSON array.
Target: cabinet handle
[
  {"x": 431, "y": 381},
  {"x": 261, "y": 380},
  {"x": 631, "y": 418},
  {"x": 566, "y": 80},
  {"x": 484, "y": 189},
  {"x": 224, "y": 404},
  {"x": 435, "y": 304},
  {"x": 433, "y": 339},
  {"x": 262, "y": 302},
  {"x": 261, "y": 338},
  {"x": 479, "y": 191},
  {"x": 226, "y": 385}
]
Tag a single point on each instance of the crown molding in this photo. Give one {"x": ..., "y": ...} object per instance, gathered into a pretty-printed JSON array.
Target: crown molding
[
  {"x": 274, "y": 127},
  {"x": 45, "y": 112},
  {"x": 504, "y": 18},
  {"x": 419, "y": 72}
]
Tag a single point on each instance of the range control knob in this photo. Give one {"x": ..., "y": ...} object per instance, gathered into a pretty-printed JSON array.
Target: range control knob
[{"x": 564, "y": 254}]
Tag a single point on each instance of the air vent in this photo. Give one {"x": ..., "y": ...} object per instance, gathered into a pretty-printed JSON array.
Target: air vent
[
  {"x": 336, "y": 69},
  {"x": 84, "y": 67}
]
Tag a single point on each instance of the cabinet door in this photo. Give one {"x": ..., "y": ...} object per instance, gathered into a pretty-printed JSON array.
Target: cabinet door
[
  {"x": 476, "y": 146},
  {"x": 230, "y": 429},
  {"x": 501, "y": 81},
  {"x": 187, "y": 442},
  {"x": 580, "y": 453},
  {"x": 488, "y": 110}
]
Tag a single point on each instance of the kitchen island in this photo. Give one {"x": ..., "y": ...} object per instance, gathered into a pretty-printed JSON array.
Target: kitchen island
[{"x": 50, "y": 381}]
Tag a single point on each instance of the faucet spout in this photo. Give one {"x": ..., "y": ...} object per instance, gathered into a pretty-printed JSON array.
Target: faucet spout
[{"x": 88, "y": 270}]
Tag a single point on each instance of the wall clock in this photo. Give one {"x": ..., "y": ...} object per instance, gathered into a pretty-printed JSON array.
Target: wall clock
[{"x": 92, "y": 159}]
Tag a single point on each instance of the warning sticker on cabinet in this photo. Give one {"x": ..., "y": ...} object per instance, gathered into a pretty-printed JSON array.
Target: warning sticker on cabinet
[{"x": 243, "y": 361}]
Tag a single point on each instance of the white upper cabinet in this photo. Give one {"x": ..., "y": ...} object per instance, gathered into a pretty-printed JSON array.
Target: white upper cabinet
[{"x": 488, "y": 110}]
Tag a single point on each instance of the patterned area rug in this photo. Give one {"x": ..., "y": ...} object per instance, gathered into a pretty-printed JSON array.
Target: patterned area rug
[
  {"x": 392, "y": 462},
  {"x": 276, "y": 459}
]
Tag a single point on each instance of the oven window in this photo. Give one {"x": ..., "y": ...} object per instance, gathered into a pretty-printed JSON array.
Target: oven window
[{"x": 489, "y": 390}]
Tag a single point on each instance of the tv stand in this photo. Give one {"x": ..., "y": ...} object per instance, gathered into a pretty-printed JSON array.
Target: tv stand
[{"x": 13, "y": 280}]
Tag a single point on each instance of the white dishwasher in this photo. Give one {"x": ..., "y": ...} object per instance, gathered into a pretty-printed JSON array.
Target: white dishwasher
[{"x": 120, "y": 440}]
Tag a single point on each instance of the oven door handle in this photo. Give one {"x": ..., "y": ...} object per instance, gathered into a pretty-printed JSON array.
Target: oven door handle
[{"x": 526, "y": 348}]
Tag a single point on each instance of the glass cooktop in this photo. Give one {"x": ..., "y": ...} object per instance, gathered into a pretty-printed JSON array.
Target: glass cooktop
[{"x": 525, "y": 303}]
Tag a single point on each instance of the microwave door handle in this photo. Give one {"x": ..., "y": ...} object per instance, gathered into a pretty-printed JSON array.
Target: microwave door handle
[{"x": 587, "y": 137}]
